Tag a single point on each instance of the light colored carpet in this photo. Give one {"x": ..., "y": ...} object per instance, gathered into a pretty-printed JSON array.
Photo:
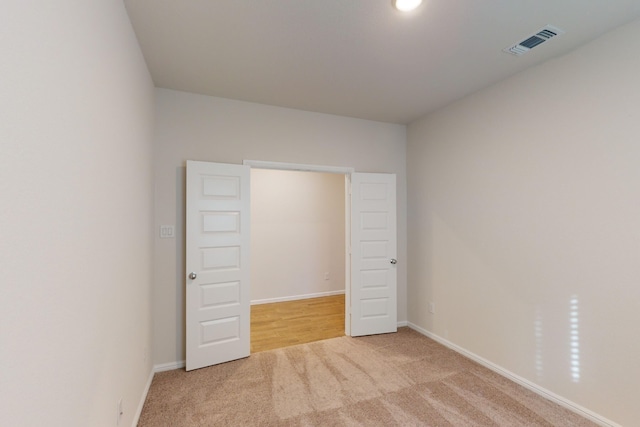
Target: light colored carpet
[{"x": 402, "y": 379}]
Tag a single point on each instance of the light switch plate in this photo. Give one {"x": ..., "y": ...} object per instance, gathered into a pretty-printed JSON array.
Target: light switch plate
[{"x": 167, "y": 232}]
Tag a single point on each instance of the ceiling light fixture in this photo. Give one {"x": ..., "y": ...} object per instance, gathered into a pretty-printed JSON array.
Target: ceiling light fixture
[{"x": 406, "y": 5}]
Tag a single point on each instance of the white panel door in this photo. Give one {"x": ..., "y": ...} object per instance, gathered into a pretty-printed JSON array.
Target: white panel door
[
  {"x": 373, "y": 294},
  {"x": 217, "y": 263}
]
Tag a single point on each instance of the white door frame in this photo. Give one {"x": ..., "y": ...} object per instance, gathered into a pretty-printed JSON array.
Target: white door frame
[{"x": 346, "y": 171}]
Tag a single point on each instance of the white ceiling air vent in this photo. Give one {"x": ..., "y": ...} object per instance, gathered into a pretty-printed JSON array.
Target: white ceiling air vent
[{"x": 534, "y": 40}]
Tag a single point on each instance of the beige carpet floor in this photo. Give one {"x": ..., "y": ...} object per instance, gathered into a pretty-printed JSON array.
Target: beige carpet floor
[{"x": 402, "y": 379}]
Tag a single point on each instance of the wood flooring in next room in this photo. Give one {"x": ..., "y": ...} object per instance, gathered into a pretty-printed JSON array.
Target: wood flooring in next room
[{"x": 283, "y": 324}]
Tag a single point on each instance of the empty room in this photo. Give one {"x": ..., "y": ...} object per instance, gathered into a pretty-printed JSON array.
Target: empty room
[{"x": 486, "y": 237}]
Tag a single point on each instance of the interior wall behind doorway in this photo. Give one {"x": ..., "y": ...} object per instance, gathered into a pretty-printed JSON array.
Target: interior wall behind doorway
[{"x": 297, "y": 235}]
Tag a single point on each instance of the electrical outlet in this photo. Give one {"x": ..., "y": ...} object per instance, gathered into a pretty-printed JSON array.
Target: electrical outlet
[
  {"x": 326, "y": 276},
  {"x": 167, "y": 232},
  {"x": 432, "y": 307},
  {"x": 120, "y": 412}
]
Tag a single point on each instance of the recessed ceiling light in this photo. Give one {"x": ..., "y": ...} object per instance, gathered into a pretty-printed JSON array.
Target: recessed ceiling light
[{"x": 406, "y": 5}]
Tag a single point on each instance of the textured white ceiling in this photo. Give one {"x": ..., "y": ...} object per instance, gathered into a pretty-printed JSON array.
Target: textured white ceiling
[{"x": 357, "y": 58}]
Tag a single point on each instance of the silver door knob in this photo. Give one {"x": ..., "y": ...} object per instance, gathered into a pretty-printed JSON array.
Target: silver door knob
[
  {"x": 192, "y": 276},
  {"x": 393, "y": 261}
]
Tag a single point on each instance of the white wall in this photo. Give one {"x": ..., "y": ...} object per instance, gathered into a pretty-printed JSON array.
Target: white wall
[
  {"x": 297, "y": 234},
  {"x": 198, "y": 127},
  {"x": 76, "y": 109},
  {"x": 524, "y": 199}
]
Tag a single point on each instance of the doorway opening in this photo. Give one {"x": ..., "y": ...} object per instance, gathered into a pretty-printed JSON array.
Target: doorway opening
[
  {"x": 217, "y": 257},
  {"x": 298, "y": 252}
]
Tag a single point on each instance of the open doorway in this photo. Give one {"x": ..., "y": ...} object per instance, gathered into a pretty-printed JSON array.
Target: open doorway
[
  {"x": 298, "y": 231},
  {"x": 217, "y": 246}
]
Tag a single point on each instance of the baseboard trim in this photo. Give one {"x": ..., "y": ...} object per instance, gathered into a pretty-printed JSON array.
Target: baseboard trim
[
  {"x": 143, "y": 399},
  {"x": 169, "y": 366},
  {"x": 403, "y": 323},
  {"x": 296, "y": 297},
  {"x": 549, "y": 395}
]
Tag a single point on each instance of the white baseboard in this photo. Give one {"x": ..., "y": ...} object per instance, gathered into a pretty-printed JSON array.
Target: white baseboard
[
  {"x": 169, "y": 366},
  {"x": 403, "y": 323},
  {"x": 143, "y": 399},
  {"x": 549, "y": 395},
  {"x": 296, "y": 297}
]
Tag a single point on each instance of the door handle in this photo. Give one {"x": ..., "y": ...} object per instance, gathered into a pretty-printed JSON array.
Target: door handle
[
  {"x": 393, "y": 261},
  {"x": 192, "y": 276}
]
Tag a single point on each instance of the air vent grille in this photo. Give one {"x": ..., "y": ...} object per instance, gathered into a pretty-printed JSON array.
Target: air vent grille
[{"x": 534, "y": 40}]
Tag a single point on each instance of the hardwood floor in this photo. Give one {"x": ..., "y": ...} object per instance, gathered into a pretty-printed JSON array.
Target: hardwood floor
[{"x": 288, "y": 323}]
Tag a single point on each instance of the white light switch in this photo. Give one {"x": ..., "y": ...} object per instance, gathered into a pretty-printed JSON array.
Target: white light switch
[{"x": 167, "y": 232}]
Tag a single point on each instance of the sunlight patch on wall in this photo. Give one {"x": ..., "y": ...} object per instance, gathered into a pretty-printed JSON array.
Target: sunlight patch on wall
[
  {"x": 537, "y": 331},
  {"x": 575, "y": 338}
]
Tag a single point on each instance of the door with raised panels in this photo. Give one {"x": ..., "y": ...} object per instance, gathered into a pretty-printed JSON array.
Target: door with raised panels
[
  {"x": 217, "y": 263},
  {"x": 373, "y": 254}
]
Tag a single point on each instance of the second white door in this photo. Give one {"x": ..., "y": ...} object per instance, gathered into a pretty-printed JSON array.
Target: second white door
[{"x": 373, "y": 295}]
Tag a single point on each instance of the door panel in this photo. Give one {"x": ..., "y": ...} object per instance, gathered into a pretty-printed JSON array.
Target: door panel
[
  {"x": 217, "y": 246},
  {"x": 373, "y": 249}
]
